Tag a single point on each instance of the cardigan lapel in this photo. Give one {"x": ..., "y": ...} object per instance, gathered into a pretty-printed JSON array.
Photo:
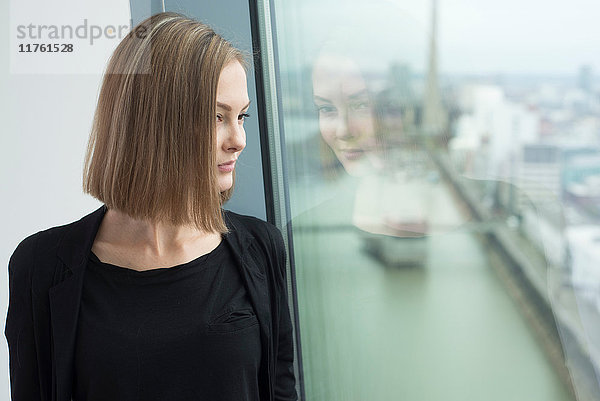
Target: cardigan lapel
[
  {"x": 65, "y": 297},
  {"x": 255, "y": 281}
]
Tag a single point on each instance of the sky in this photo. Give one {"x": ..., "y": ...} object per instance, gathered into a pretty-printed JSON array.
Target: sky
[
  {"x": 519, "y": 35},
  {"x": 480, "y": 36}
]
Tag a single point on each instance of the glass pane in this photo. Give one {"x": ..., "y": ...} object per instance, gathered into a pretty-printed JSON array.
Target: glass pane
[{"x": 444, "y": 165}]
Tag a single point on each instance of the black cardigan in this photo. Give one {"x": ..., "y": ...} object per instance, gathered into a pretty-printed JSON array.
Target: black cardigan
[{"x": 45, "y": 281}]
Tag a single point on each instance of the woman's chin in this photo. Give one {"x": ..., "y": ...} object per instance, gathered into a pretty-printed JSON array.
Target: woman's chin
[
  {"x": 225, "y": 183},
  {"x": 357, "y": 167}
]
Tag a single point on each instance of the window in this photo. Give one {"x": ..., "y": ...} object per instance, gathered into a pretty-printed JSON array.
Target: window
[{"x": 442, "y": 208}]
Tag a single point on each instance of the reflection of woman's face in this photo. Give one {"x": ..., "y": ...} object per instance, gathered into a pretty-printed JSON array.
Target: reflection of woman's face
[{"x": 346, "y": 118}]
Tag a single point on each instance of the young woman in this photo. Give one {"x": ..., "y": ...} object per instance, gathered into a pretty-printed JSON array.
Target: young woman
[{"x": 159, "y": 294}]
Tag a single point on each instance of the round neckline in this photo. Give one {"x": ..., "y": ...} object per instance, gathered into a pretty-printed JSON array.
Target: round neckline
[{"x": 158, "y": 270}]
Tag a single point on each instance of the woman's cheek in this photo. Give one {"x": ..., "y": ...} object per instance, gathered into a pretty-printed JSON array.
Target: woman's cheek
[{"x": 327, "y": 132}]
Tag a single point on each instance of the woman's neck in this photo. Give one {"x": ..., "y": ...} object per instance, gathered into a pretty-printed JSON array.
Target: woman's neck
[{"x": 157, "y": 240}]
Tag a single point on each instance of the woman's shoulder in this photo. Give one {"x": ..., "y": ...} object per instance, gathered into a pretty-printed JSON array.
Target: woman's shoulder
[
  {"x": 42, "y": 239},
  {"x": 248, "y": 224},
  {"x": 39, "y": 246},
  {"x": 262, "y": 231}
]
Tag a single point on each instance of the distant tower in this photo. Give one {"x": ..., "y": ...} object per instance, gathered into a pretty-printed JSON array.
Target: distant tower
[
  {"x": 585, "y": 78},
  {"x": 434, "y": 115}
]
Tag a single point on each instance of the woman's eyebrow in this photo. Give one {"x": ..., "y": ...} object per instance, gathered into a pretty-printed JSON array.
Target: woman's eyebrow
[
  {"x": 356, "y": 95},
  {"x": 228, "y": 107},
  {"x": 359, "y": 94},
  {"x": 322, "y": 99}
]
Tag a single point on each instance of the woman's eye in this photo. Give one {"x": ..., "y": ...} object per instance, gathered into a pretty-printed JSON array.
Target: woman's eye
[
  {"x": 325, "y": 109},
  {"x": 360, "y": 106},
  {"x": 219, "y": 118},
  {"x": 243, "y": 117}
]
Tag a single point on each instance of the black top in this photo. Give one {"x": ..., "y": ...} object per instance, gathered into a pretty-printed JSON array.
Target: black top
[{"x": 186, "y": 332}]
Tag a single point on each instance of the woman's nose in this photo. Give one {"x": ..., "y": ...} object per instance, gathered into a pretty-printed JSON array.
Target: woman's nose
[
  {"x": 236, "y": 140},
  {"x": 345, "y": 130}
]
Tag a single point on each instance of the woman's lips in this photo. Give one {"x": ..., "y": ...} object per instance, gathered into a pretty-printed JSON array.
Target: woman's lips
[
  {"x": 352, "y": 154},
  {"x": 227, "y": 167}
]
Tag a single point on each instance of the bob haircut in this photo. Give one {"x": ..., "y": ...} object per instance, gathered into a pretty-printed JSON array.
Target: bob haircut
[{"x": 151, "y": 152}]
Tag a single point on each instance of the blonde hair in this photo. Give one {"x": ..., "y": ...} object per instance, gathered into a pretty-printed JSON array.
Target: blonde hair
[{"x": 151, "y": 151}]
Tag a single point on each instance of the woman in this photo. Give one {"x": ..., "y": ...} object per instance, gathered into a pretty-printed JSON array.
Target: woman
[{"x": 159, "y": 294}]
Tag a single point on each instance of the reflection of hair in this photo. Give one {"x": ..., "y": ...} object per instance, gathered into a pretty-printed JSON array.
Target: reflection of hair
[
  {"x": 151, "y": 151},
  {"x": 331, "y": 167}
]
